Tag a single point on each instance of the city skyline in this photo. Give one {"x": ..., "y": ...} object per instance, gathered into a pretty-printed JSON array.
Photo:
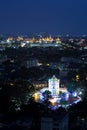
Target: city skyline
[{"x": 53, "y": 17}]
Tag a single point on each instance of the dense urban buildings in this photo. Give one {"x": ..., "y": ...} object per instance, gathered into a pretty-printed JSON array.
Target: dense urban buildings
[{"x": 55, "y": 64}]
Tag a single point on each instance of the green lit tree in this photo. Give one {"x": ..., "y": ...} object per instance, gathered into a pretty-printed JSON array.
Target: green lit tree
[
  {"x": 46, "y": 94},
  {"x": 72, "y": 86}
]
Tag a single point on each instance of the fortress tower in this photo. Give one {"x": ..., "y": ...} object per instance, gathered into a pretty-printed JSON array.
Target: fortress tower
[{"x": 53, "y": 85}]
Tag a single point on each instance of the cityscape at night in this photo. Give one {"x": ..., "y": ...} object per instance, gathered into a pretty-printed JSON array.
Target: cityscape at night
[
  {"x": 43, "y": 65},
  {"x": 41, "y": 75}
]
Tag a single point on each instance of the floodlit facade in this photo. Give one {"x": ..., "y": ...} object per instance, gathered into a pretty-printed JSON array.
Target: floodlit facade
[{"x": 53, "y": 85}]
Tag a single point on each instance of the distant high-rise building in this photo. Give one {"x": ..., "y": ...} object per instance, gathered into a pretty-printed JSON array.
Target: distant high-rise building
[{"x": 30, "y": 63}]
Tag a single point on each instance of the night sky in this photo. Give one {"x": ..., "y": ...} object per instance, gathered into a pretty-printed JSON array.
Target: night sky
[{"x": 50, "y": 16}]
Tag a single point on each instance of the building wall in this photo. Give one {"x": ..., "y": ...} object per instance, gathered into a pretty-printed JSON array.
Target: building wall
[
  {"x": 39, "y": 85},
  {"x": 46, "y": 124},
  {"x": 64, "y": 124},
  {"x": 50, "y": 123},
  {"x": 54, "y": 85},
  {"x": 30, "y": 63}
]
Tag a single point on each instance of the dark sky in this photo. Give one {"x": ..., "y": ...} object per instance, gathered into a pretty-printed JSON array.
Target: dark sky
[{"x": 50, "y": 16}]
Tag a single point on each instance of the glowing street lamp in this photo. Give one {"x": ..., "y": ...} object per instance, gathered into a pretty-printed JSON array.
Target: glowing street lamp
[{"x": 36, "y": 96}]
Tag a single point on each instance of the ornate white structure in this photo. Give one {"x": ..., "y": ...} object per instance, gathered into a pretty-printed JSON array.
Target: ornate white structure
[{"x": 53, "y": 85}]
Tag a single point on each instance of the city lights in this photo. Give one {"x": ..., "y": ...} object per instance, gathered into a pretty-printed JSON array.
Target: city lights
[{"x": 56, "y": 95}]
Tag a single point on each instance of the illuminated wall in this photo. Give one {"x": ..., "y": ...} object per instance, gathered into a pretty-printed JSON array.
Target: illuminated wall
[{"x": 54, "y": 85}]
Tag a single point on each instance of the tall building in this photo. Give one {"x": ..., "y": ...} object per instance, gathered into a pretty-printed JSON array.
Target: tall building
[
  {"x": 46, "y": 123},
  {"x": 58, "y": 120}
]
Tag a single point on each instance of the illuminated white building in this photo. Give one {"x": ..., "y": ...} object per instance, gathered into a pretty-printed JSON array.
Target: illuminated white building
[{"x": 53, "y": 85}]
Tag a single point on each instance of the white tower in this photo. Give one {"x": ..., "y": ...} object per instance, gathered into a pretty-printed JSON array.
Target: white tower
[{"x": 54, "y": 85}]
